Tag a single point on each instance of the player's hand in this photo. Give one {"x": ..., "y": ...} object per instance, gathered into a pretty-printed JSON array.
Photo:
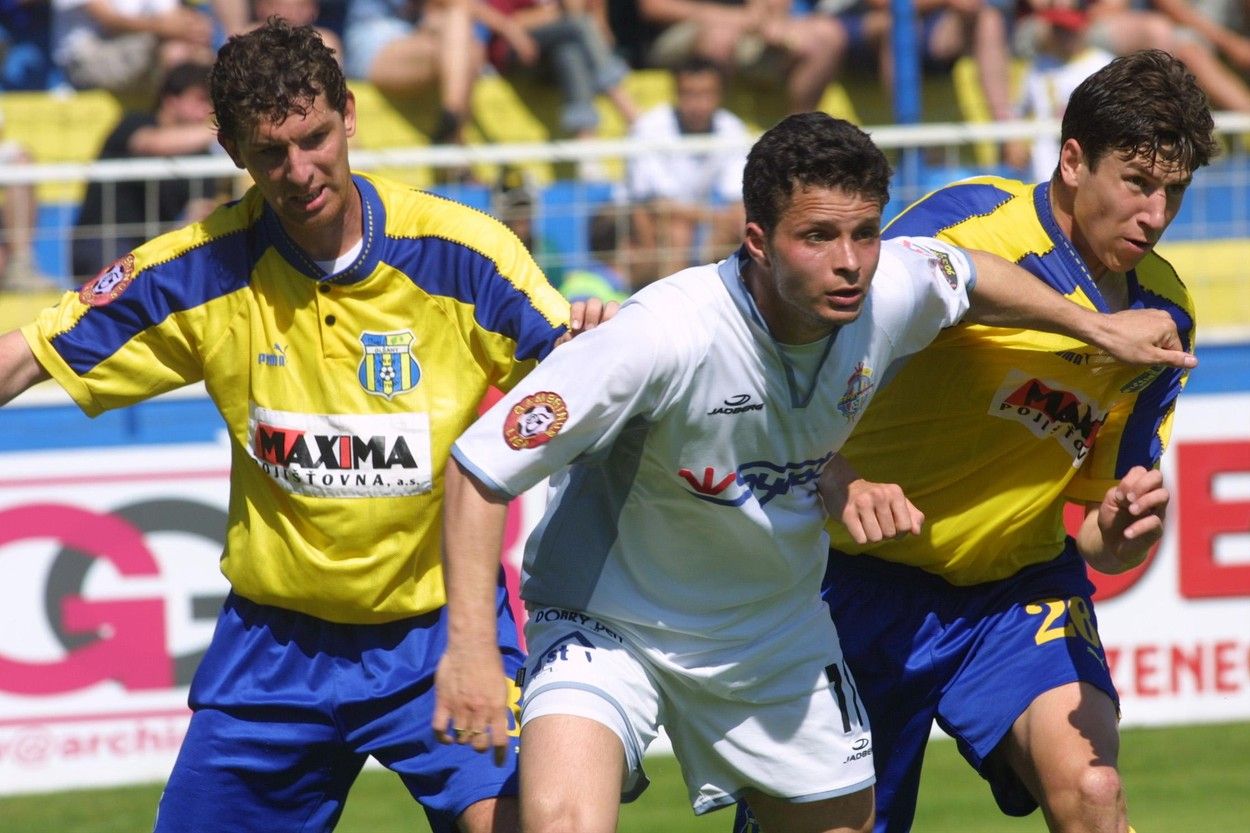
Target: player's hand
[
  {"x": 1144, "y": 336},
  {"x": 871, "y": 512},
  {"x": 586, "y": 315},
  {"x": 471, "y": 700},
  {"x": 875, "y": 512},
  {"x": 1130, "y": 518}
]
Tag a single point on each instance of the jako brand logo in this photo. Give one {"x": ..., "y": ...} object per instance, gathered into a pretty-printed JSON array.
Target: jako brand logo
[
  {"x": 861, "y": 748},
  {"x": 737, "y": 405},
  {"x": 763, "y": 479}
]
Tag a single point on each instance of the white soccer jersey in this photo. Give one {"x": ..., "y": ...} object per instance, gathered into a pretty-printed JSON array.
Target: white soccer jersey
[{"x": 689, "y": 518}]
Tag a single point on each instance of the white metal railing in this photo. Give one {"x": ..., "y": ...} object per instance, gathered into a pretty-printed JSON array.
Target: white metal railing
[
  {"x": 946, "y": 150},
  {"x": 888, "y": 137}
]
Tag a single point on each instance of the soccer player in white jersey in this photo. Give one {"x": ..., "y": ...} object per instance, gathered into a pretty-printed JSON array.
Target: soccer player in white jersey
[{"x": 675, "y": 577}]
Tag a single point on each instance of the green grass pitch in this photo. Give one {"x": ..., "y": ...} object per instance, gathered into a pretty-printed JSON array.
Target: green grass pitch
[{"x": 1189, "y": 778}]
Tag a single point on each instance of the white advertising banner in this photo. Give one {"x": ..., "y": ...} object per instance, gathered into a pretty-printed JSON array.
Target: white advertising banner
[
  {"x": 109, "y": 589},
  {"x": 1177, "y": 630}
]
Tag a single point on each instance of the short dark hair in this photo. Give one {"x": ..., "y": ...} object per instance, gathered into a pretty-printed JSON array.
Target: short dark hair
[
  {"x": 811, "y": 150},
  {"x": 1144, "y": 103},
  {"x": 272, "y": 72},
  {"x": 697, "y": 64},
  {"x": 182, "y": 77}
]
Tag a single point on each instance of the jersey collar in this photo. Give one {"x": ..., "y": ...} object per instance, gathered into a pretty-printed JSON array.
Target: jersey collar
[
  {"x": 373, "y": 221},
  {"x": 730, "y": 271}
]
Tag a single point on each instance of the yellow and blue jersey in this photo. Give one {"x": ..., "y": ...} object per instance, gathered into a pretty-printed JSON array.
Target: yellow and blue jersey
[
  {"x": 991, "y": 431},
  {"x": 341, "y": 393}
]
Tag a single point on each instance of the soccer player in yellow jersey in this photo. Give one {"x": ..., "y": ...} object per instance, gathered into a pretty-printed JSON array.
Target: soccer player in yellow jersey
[
  {"x": 983, "y": 621},
  {"x": 347, "y": 328}
]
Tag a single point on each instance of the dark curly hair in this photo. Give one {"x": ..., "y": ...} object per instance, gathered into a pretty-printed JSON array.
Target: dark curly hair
[
  {"x": 272, "y": 72},
  {"x": 811, "y": 150},
  {"x": 1144, "y": 103}
]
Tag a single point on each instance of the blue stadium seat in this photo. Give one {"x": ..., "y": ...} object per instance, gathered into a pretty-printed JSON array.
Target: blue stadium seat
[
  {"x": 53, "y": 230},
  {"x": 471, "y": 194},
  {"x": 563, "y": 215}
]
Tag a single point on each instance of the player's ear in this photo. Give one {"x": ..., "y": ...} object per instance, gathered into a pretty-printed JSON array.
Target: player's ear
[
  {"x": 1071, "y": 159},
  {"x": 755, "y": 240},
  {"x": 231, "y": 147},
  {"x": 349, "y": 114}
]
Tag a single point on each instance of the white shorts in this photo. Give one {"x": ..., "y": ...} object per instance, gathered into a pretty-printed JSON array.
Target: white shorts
[{"x": 807, "y": 749}]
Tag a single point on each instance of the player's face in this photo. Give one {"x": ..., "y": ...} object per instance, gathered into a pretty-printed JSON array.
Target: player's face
[
  {"x": 301, "y": 168},
  {"x": 811, "y": 275},
  {"x": 1121, "y": 208}
]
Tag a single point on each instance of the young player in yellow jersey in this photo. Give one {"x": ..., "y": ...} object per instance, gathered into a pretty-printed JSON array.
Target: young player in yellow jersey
[
  {"x": 347, "y": 328},
  {"x": 983, "y": 622}
]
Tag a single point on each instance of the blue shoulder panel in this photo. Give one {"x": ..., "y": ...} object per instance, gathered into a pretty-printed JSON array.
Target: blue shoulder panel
[
  {"x": 192, "y": 278},
  {"x": 947, "y": 207},
  {"x": 451, "y": 269}
]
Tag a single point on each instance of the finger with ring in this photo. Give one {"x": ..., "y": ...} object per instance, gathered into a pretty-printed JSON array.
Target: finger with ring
[{"x": 461, "y": 734}]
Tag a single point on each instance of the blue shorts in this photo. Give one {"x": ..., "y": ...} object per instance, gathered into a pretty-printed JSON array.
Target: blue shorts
[
  {"x": 971, "y": 658},
  {"x": 287, "y": 707}
]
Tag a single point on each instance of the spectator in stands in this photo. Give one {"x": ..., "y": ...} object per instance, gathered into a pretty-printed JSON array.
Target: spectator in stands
[
  {"x": 1059, "y": 58},
  {"x": 114, "y": 216},
  {"x": 571, "y": 45},
  {"x": 18, "y": 272},
  {"x": 404, "y": 47},
  {"x": 1121, "y": 27},
  {"x": 760, "y": 39},
  {"x": 298, "y": 13},
  {"x": 949, "y": 29},
  {"x": 680, "y": 197},
  {"x": 1219, "y": 24},
  {"x": 125, "y": 46}
]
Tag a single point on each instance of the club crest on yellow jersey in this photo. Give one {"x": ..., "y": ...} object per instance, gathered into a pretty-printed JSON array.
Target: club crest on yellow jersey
[{"x": 388, "y": 367}]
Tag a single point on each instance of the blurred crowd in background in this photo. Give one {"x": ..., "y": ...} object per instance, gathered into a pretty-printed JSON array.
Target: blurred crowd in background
[{"x": 672, "y": 209}]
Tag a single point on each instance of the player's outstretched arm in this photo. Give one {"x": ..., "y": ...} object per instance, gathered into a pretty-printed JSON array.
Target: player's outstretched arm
[
  {"x": 1117, "y": 533},
  {"x": 871, "y": 512},
  {"x": 1006, "y": 295},
  {"x": 471, "y": 693},
  {"x": 18, "y": 367}
]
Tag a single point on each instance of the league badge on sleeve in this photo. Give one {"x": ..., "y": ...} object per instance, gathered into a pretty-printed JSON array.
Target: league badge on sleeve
[
  {"x": 534, "y": 420},
  {"x": 939, "y": 262},
  {"x": 111, "y": 282},
  {"x": 388, "y": 368}
]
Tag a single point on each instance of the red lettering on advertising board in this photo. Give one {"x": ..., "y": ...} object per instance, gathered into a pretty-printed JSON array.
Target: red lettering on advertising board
[
  {"x": 1155, "y": 670},
  {"x": 129, "y": 635},
  {"x": 1200, "y": 517},
  {"x": 1204, "y": 518}
]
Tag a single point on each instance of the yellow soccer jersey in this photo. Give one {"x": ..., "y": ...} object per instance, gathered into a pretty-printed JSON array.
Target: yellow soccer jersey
[
  {"x": 990, "y": 431},
  {"x": 342, "y": 393}
]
